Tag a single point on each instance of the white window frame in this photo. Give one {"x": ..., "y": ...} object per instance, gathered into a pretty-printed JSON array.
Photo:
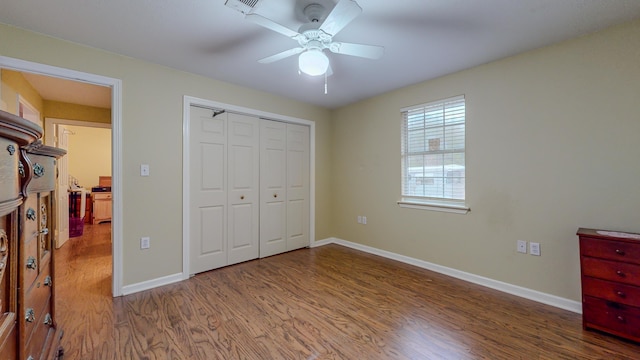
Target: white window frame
[{"x": 444, "y": 203}]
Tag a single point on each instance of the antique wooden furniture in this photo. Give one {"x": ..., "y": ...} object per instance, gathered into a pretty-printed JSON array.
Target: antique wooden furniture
[
  {"x": 101, "y": 207},
  {"x": 27, "y": 184},
  {"x": 610, "y": 266}
]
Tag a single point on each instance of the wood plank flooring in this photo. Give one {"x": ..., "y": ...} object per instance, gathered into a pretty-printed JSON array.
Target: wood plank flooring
[{"x": 323, "y": 303}]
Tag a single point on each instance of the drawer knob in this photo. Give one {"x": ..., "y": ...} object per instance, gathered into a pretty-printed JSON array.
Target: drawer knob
[
  {"x": 31, "y": 263},
  {"x": 620, "y": 318},
  {"x": 620, "y": 252},
  {"x": 48, "y": 320},
  {"x": 48, "y": 281},
  {"x": 11, "y": 149},
  {"x": 621, "y": 294},
  {"x": 620, "y": 273},
  {"x": 30, "y": 315},
  {"x": 38, "y": 170},
  {"x": 31, "y": 214}
]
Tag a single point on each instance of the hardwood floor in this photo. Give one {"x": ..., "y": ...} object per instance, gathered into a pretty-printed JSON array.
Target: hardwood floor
[{"x": 329, "y": 302}]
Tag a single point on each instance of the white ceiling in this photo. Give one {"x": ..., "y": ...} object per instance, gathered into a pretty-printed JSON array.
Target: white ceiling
[{"x": 423, "y": 39}]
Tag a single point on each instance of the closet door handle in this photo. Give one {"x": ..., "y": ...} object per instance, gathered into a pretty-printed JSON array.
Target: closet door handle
[
  {"x": 241, "y": 197},
  {"x": 275, "y": 195}
]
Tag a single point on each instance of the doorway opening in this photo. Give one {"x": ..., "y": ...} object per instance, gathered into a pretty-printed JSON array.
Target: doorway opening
[{"x": 50, "y": 91}]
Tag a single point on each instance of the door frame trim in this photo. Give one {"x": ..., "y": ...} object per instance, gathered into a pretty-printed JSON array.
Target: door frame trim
[
  {"x": 189, "y": 101},
  {"x": 116, "y": 146}
]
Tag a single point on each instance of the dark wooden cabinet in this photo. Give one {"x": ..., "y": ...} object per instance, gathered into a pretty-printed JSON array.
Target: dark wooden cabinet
[
  {"x": 610, "y": 267},
  {"x": 28, "y": 329}
]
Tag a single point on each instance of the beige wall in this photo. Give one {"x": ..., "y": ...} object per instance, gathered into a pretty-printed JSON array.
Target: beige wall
[
  {"x": 61, "y": 110},
  {"x": 152, "y": 134},
  {"x": 14, "y": 84},
  {"x": 552, "y": 145},
  {"x": 89, "y": 154}
]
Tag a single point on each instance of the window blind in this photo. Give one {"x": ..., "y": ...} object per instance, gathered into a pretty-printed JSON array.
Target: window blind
[{"x": 433, "y": 150}]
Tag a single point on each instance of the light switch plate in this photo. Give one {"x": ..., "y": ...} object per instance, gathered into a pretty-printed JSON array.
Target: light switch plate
[
  {"x": 534, "y": 249},
  {"x": 144, "y": 170}
]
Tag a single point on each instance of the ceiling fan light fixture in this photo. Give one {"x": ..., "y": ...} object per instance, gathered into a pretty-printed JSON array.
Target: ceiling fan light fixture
[{"x": 313, "y": 62}]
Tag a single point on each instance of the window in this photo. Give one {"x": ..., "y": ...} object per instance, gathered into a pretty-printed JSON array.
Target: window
[{"x": 433, "y": 155}]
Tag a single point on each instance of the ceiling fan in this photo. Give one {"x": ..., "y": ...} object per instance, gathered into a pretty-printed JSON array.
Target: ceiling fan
[{"x": 317, "y": 35}]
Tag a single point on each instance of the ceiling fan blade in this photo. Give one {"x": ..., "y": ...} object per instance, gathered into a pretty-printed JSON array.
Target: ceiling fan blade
[
  {"x": 271, "y": 25},
  {"x": 282, "y": 55},
  {"x": 361, "y": 50},
  {"x": 340, "y": 16}
]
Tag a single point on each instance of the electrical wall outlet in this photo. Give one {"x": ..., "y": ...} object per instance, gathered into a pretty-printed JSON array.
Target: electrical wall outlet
[
  {"x": 145, "y": 242},
  {"x": 144, "y": 169},
  {"x": 522, "y": 246},
  {"x": 534, "y": 249},
  {"x": 364, "y": 220}
]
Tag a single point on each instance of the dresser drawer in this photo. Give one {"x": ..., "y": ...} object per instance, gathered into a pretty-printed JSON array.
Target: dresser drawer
[
  {"x": 612, "y": 291},
  {"x": 9, "y": 179},
  {"x": 40, "y": 289},
  {"x": 29, "y": 262},
  {"x": 611, "y": 270},
  {"x": 101, "y": 196},
  {"x": 610, "y": 249},
  {"x": 41, "y": 330},
  {"x": 29, "y": 217},
  {"x": 44, "y": 170},
  {"x": 32, "y": 317},
  {"x": 610, "y": 316}
]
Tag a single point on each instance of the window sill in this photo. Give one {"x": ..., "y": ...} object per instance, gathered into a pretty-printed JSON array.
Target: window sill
[{"x": 434, "y": 206}]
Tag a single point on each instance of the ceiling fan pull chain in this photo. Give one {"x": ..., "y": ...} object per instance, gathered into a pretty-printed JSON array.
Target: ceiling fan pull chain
[{"x": 325, "y": 83}]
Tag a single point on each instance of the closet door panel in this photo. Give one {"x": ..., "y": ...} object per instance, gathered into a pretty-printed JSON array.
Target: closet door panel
[
  {"x": 297, "y": 186},
  {"x": 273, "y": 194},
  {"x": 243, "y": 196},
  {"x": 211, "y": 227},
  {"x": 208, "y": 190},
  {"x": 297, "y": 230}
]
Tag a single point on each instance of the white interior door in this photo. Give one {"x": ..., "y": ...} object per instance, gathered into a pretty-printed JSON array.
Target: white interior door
[
  {"x": 62, "y": 217},
  {"x": 243, "y": 196},
  {"x": 208, "y": 194},
  {"x": 297, "y": 186},
  {"x": 273, "y": 194}
]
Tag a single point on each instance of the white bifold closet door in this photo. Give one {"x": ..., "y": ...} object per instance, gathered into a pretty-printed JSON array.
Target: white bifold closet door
[
  {"x": 284, "y": 187},
  {"x": 224, "y": 189}
]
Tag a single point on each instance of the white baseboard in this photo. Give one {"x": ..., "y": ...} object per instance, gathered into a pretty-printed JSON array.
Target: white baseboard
[
  {"x": 323, "y": 242},
  {"x": 146, "y": 285},
  {"x": 526, "y": 293}
]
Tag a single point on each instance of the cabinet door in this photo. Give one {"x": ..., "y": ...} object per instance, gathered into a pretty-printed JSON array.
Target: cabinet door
[
  {"x": 208, "y": 190},
  {"x": 45, "y": 218},
  {"x": 243, "y": 200},
  {"x": 101, "y": 207},
  {"x": 297, "y": 186},
  {"x": 8, "y": 284},
  {"x": 273, "y": 194}
]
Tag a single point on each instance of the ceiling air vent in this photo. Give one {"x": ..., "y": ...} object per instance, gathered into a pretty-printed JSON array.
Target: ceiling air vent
[{"x": 244, "y": 6}]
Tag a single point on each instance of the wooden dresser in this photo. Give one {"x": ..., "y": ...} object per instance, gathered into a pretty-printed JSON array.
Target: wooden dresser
[
  {"x": 27, "y": 184},
  {"x": 610, "y": 267}
]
